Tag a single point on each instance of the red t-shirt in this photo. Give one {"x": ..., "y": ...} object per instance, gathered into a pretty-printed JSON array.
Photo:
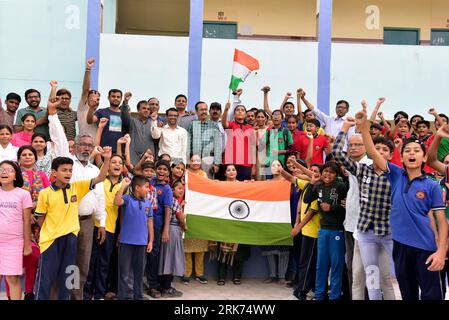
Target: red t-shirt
[
  {"x": 240, "y": 144},
  {"x": 320, "y": 143},
  {"x": 296, "y": 135},
  {"x": 427, "y": 142}
]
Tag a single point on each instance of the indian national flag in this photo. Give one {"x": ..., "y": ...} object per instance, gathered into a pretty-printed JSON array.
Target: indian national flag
[
  {"x": 243, "y": 65},
  {"x": 238, "y": 212}
]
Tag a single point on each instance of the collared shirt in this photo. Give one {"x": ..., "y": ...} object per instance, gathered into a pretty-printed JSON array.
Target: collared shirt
[
  {"x": 411, "y": 203},
  {"x": 140, "y": 132},
  {"x": 110, "y": 190},
  {"x": 204, "y": 140},
  {"x": 134, "y": 228},
  {"x": 39, "y": 113},
  {"x": 185, "y": 120},
  {"x": 7, "y": 118},
  {"x": 60, "y": 207},
  {"x": 374, "y": 192},
  {"x": 94, "y": 201},
  {"x": 172, "y": 141},
  {"x": 333, "y": 125},
  {"x": 8, "y": 153}
]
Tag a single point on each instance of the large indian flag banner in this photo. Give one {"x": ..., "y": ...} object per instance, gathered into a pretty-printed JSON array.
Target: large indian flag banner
[
  {"x": 239, "y": 212},
  {"x": 244, "y": 64}
]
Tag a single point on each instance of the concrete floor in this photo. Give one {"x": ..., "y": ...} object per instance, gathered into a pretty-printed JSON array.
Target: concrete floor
[{"x": 250, "y": 289}]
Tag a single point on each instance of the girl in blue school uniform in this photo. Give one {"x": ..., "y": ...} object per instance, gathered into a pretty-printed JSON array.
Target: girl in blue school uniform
[{"x": 418, "y": 256}]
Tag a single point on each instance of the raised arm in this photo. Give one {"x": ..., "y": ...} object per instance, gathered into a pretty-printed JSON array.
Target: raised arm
[
  {"x": 106, "y": 153},
  {"x": 432, "y": 158},
  {"x": 125, "y": 116},
  {"x": 385, "y": 123},
  {"x": 101, "y": 125},
  {"x": 287, "y": 97},
  {"x": 224, "y": 117},
  {"x": 376, "y": 109},
  {"x": 118, "y": 199},
  {"x": 337, "y": 151},
  {"x": 266, "y": 106},
  {"x": 363, "y": 125},
  {"x": 299, "y": 94},
  {"x": 86, "y": 80},
  {"x": 433, "y": 111},
  {"x": 92, "y": 103},
  {"x": 60, "y": 144},
  {"x": 287, "y": 176},
  {"x": 304, "y": 170}
]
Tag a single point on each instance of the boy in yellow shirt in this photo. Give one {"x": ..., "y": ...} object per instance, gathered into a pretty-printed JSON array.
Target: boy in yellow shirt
[{"x": 57, "y": 209}]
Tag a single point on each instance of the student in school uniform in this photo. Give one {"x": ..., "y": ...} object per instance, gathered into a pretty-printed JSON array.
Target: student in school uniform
[
  {"x": 95, "y": 286},
  {"x": 172, "y": 259},
  {"x": 136, "y": 235},
  {"x": 418, "y": 253},
  {"x": 57, "y": 211},
  {"x": 162, "y": 217}
]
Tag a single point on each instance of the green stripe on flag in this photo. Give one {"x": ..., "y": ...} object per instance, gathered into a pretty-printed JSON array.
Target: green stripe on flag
[
  {"x": 237, "y": 231},
  {"x": 234, "y": 83}
]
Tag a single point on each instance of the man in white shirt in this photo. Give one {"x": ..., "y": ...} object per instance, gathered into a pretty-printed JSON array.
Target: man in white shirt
[
  {"x": 332, "y": 124},
  {"x": 172, "y": 138},
  {"x": 92, "y": 203}
]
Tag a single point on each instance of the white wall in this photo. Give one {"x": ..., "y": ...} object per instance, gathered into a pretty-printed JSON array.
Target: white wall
[{"x": 411, "y": 77}]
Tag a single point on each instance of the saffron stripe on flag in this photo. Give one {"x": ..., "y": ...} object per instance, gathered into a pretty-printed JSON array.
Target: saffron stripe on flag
[
  {"x": 243, "y": 232},
  {"x": 254, "y": 190},
  {"x": 246, "y": 60}
]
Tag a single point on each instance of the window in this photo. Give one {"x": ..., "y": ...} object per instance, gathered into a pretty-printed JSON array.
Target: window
[
  {"x": 221, "y": 30},
  {"x": 405, "y": 36},
  {"x": 439, "y": 37}
]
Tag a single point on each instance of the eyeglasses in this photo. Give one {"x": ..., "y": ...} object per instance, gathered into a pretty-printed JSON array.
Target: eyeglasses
[
  {"x": 350, "y": 145},
  {"x": 7, "y": 170}
]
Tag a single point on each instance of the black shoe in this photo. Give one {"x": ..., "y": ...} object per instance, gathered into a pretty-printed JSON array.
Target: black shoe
[{"x": 171, "y": 293}]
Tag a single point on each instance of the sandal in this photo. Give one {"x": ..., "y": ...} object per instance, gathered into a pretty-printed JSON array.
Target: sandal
[
  {"x": 237, "y": 282},
  {"x": 154, "y": 293},
  {"x": 221, "y": 282}
]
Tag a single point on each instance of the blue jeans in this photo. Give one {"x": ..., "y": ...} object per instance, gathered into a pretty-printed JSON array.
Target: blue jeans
[{"x": 331, "y": 254}]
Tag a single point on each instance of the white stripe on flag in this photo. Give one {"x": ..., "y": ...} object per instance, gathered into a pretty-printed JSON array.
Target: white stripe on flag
[
  {"x": 240, "y": 71},
  {"x": 219, "y": 207}
]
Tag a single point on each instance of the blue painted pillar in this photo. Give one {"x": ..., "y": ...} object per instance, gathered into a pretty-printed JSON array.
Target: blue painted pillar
[
  {"x": 93, "y": 38},
  {"x": 195, "y": 52},
  {"x": 324, "y": 55}
]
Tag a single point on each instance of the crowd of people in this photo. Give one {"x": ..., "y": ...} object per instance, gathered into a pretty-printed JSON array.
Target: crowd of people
[{"x": 92, "y": 201}]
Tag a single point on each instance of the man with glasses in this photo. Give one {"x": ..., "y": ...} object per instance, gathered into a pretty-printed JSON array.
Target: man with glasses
[
  {"x": 33, "y": 98},
  {"x": 172, "y": 138},
  {"x": 332, "y": 124},
  {"x": 66, "y": 115},
  {"x": 204, "y": 139},
  {"x": 92, "y": 203}
]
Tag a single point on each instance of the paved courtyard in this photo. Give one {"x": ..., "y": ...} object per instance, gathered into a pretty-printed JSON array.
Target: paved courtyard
[{"x": 249, "y": 289}]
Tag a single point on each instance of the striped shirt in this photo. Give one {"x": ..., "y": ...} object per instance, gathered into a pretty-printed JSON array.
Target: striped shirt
[
  {"x": 68, "y": 120},
  {"x": 375, "y": 191}
]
